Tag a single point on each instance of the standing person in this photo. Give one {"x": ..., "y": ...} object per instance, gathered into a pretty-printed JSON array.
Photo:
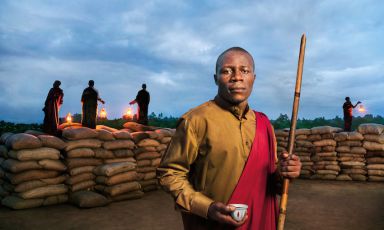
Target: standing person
[
  {"x": 89, "y": 100},
  {"x": 347, "y": 109},
  {"x": 225, "y": 153},
  {"x": 51, "y": 109},
  {"x": 142, "y": 99}
]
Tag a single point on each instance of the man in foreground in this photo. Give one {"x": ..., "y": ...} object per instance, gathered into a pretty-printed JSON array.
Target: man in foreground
[
  {"x": 89, "y": 100},
  {"x": 224, "y": 153}
]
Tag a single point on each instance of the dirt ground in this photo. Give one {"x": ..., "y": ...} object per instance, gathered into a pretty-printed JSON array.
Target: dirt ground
[{"x": 311, "y": 205}]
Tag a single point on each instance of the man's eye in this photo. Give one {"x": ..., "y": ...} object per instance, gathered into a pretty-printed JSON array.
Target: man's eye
[
  {"x": 226, "y": 71},
  {"x": 245, "y": 71}
]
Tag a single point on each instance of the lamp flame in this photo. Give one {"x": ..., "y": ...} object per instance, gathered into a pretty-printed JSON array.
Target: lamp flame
[
  {"x": 361, "y": 109},
  {"x": 103, "y": 113},
  {"x": 69, "y": 118}
]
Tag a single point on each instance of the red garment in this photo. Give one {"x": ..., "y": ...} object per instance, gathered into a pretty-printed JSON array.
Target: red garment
[{"x": 256, "y": 186}]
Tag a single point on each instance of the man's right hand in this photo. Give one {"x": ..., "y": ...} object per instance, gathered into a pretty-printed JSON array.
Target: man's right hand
[{"x": 222, "y": 213}]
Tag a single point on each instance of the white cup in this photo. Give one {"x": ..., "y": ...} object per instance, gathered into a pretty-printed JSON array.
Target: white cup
[{"x": 240, "y": 211}]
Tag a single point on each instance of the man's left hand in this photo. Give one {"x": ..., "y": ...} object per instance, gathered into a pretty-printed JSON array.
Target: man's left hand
[{"x": 290, "y": 166}]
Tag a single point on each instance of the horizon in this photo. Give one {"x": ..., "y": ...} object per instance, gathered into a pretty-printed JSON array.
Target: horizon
[{"x": 172, "y": 47}]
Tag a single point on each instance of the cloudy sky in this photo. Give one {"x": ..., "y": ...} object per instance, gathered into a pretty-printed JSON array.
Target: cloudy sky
[{"x": 172, "y": 45}]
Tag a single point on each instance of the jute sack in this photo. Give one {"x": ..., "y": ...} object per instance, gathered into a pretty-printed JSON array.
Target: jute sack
[
  {"x": 281, "y": 133},
  {"x": 103, "y": 153},
  {"x": 327, "y": 172},
  {"x": 324, "y": 129},
  {"x": 352, "y": 163},
  {"x": 23, "y": 141},
  {"x": 40, "y": 192},
  {"x": 373, "y": 146},
  {"x": 301, "y": 137},
  {"x": 303, "y": 132},
  {"x": 358, "y": 150},
  {"x": 327, "y": 163},
  {"x": 150, "y": 188},
  {"x": 354, "y": 171},
  {"x": 128, "y": 196},
  {"x": 153, "y": 134},
  {"x": 145, "y": 183},
  {"x": 318, "y": 158},
  {"x": 104, "y": 127},
  {"x": 145, "y": 149},
  {"x": 30, "y": 175},
  {"x": 376, "y": 178},
  {"x": 35, "y": 133},
  {"x": 88, "y": 199},
  {"x": 302, "y": 143},
  {"x": 358, "y": 177},
  {"x": 81, "y": 153},
  {"x": 373, "y": 172},
  {"x": 143, "y": 163},
  {"x": 282, "y": 144},
  {"x": 324, "y": 177},
  {"x": 122, "y": 134},
  {"x": 80, "y": 170},
  {"x": 281, "y": 149},
  {"x": 79, "y": 162},
  {"x": 19, "y": 203},
  {"x": 138, "y": 136},
  {"x": 118, "y": 144},
  {"x": 114, "y": 168},
  {"x": 16, "y": 166},
  {"x": 278, "y": 139},
  {"x": 146, "y": 169},
  {"x": 307, "y": 163},
  {"x": 355, "y": 136},
  {"x": 148, "y": 156},
  {"x": 166, "y": 140},
  {"x": 119, "y": 188},
  {"x": 375, "y": 160},
  {"x": 314, "y": 137},
  {"x": 52, "y": 142},
  {"x": 350, "y": 155},
  {"x": 84, "y": 185},
  {"x": 4, "y": 137},
  {"x": 35, "y": 154},
  {"x": 117, "y": 160},
  {"x": 148, "y": 142},
  {"x": 29, "y": 185},
  {"x": 118, "y": 178},
  {"x": 84, "y": 143},
  {"x": 328, "y": 136},
  {"x": 361, "y": 159},
  {"x": 374, "y": 138},
  {"x": 301, "y": 149},
  {"x": 342, "y": 136},
  {"x": 350, "y": 143},
  {"x": 343, "y": 149},
  {"x": 328, "y": 148},
  {"x": 156, "y": 162},
  {"x": 325, "y": 142},
  {"x": 3, "y": 151},
  {"x": 105, "y": 135},
  {"x": 166, "y": 132},
  {"x": 80, "y": 178},
  {"x": 370, "y": 128},
  {"x": 376, "y": 166},
  {"x": 344, "y": 177},
  {"x": 374, "y": 154},
  {"x": 305, "y": 172},
  {"x": 149, "y": 175},
  {"x": 326, "y": 154},
  {"x": 137, "y": 127},
  {"x": 79, "y": 133},
  {"x": 123, "y": 153}
]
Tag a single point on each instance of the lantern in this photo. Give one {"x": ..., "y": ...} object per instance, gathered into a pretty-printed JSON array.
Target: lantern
[
  {"x": 361, "y": 109},
  {"x": 69, "y": 118},
  {"x": 103, "y": 114},
  {"x": 128, "y": 115}
]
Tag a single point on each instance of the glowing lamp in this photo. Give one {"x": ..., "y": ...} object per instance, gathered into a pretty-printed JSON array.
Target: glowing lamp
[
  {"x": 361, "y": 109},
  {"x": 69, "y": 118},
  {"x": 103, "y": 114}
]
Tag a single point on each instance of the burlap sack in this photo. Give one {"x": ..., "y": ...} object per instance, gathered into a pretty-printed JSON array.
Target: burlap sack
[
  {"x": 306, "y": 154},
  {"x": 114, "y": 168},
  {"x": 326, "y": 163},
  {"x": 79, "y": 162},
  {"x": 343, "y": 177},
  {"x": 80, "y": 170},
  {"x": 29, "y": 185},
  {"x": 128, "y": 196},
  {"x": 373, "y": 146},
  {"x": 80, "y": 178},
  {"x": 342, "y": 136},
  {"x": 122, "y": 134},
  {"x": 355, "y": 136},
  {"x": 119, "y": 188},
  {"x": 148, "y": 156},
  {"x": 18, "y": 203},
  {"x": 23, "y": 141},
  {"x": 16, "y": 166},
  {"x": 118, "y": 178},
  {"x": 148, "y": 142},
  {"x": 30, "y": 175},
  {"x": 84, "y": 143},
  {"x": 166, "y": 140},
  {"x": 138, "y": 136},
  {"x": 143, "y": 163},
  {"x": 81, "y": 153},
  {"x": 328, "y": 136},
  {"x": 324, "y": 177},
  {"x": 328, "y": 148},
  {"x": 360, "y": 159},
  {"x": 145, "y": 183},
  {"x": 105, "y": 135},
  {"x": 343, "y": 149},
  {"x": 103, "y": 153},
  {"x": 352, "y": 163},
  {"x": 152, "y": 134},
  {"x": 150, "y": 188},
  {"x": 374, "y": 154},
  {"x": 303, "y": 132},
  {"x": 3, "y": 151},
  {"x": 138, "y": 127},
  {"x": 156, "y": 162},
  {"x": 84, "y": 185},
  {"x": 375, "y": 160},
  {"x": 146, "y": 169},
  {"x": 282, "y": 144},
  {"x": 52, "y": 142},
  {"x": 123, "y": 153},
  {"x": 317, "y": 158},
  {"x": 302, "y": 143},
  {"x": 307, "y": 167},
  {"x": 358, "y": 177},
  {"x": 307, "y": 163},
  {"x": 166, "y": 132},
  {"x": 324, "y": 130},
  {"x": 107, "y": 128},
  {"x": 4, "y": 137},
  {"x": 281, "y": 149},
  {"x": 327, "y": 172},
  {"x": 349, "y": 155},
  {"x": 46, "y": 191},
  {"x": 68, "y": 125},
  {"x": 278, "y": 139},
  {"x": 326, "y": 154},
  {"x": 149, "y": 175},
  {"x": 350, "y": 143},
  {"x": 281, "y": 133},
  {"x": 88, "y": 199},
  {"x": 314, "y": 137},
  {"x": 117, "y": 160},
  {"x": 376, "y": 178},
  {"x": 325, "y": 142},
  {"x": 118, "y": 144},
  {"x": 79, "y": 133},
  {"x": 35, "y": 154},
  {"x": 332, "y": 167},
  {"x": 302, "y": 149},
  {"x": 305, "y": 172},
  {"x": 376, "y": 166},
  {"x": 375, "y": 172},
  {"x": 145, "y": 149},
  {"x": 370, "y": 128},
  {"x": 354, "y": 171},
  {"x": 374, "y": 138},
  {"x": 301, "y": 137},
  {"x": 358, "y": 150}
]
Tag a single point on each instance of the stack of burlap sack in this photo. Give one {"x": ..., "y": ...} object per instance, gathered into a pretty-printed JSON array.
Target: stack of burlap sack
[
  {"x": 282, "y": 140},
  {"x": 324, "y": 152},
  {"x": 351, "y": 156},
  {"x": 80, "y": 157},
  {"x": 303, "y": 148},
  {"x": 374, "y": 144},
  {"x": 33, "y": 173},
  {"x": 117, "y": 176}
]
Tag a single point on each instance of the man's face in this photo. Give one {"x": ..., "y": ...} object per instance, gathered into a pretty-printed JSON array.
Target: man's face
[{"x": 235, "y": 77}]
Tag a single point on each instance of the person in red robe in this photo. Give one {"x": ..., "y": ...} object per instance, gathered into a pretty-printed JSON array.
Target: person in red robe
[{"x": 51, "y": 109}]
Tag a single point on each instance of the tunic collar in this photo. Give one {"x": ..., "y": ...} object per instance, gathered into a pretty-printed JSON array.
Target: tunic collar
[{"x": 234, "y": 109}]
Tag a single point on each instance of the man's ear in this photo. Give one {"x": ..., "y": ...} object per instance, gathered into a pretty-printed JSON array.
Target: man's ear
[{"x": 215, "y": 78}]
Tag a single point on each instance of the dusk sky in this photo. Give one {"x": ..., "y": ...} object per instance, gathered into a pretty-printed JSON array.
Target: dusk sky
[{"x": 172, "y": 46}]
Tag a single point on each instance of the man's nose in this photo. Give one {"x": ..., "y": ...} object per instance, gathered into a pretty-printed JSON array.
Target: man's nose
[{"x": 237, "y": 75}]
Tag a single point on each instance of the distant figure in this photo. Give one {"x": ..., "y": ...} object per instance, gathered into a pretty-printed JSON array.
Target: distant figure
[
  {"x": 142, "y": 99},
  {"x": 347, "y": 108},
  {"x": 51, "y": 109},
  {"x": 89, "y": 100}
]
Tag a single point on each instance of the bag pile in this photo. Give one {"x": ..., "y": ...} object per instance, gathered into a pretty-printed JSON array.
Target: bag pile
[{"x": 303, "y": 149}]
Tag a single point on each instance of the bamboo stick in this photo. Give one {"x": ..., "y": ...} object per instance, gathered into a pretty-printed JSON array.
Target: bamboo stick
[{"x": 291, "y": 138}]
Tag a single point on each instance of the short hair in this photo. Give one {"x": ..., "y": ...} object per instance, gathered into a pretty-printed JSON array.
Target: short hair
[
  {"x": 347, "y": 99},
  {"x": 236, "y": 48},
  {"x": 57, "y": 83},
  {"x": 91, "y": 83},
  {"x": 144, "y": 86}
]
